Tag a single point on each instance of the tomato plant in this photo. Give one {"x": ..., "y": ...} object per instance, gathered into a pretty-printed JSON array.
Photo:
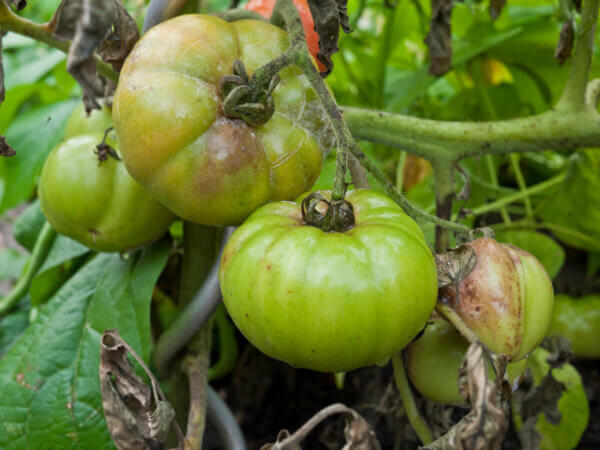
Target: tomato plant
[
  {"x": 287, "y": 284},
  {"x": 506, "y": 300},
  {"x": 175, "y": 141},
  {"x": 427, "y": 125},
  {"x": 434, "y": 358},
  {"x": 265, "y": 8},
  {"x": 97, "y": 203}
]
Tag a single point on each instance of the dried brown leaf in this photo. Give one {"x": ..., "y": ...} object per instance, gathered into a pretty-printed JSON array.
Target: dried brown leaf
[
  {"x": 94, "y": 25},
  {"x": 329, "y": 16},
  {"x": 564, "y": 48},
  {"x": 439, "y": 38},
  {"x": 358, "y": 433},
  {"x": 485, "y": 425},
  {"x": 5, "y": 149},
  {"x": 454, "y": 265},
  {"x": 133, "y": 422}
]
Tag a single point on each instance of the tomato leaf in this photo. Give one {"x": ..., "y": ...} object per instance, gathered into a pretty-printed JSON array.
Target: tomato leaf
[
  {"x": 57, "y": 267},
  {"x": 50, "y": 390},
  {"x": 28, "y": 225},
  {"x": 572, "y": 406},
  {"x": 11, "y": 263},
  {"x": 33, "y": 134},
  {"x": 13, "y": 324}
]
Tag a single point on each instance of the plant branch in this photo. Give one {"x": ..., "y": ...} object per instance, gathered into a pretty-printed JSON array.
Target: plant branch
[
  {"x": 408, "y": 401},
  {"x": 40, "y": 250},
  {"x": 573, "y": 96},
  {"x": 297, "y": 54},
  {"x": 452, "y": 141},
  {"x": 9, "y": 21}
]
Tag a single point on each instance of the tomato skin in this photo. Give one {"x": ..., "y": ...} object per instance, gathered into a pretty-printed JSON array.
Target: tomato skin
[
  {"x": 330, "y": 302},
  {"x": 265, "y": 8},
  {"x": 174, "y": 140},
  {"x": 433, "y": 361},
  {"x": 506, "y": 300},
  {"x": 99, "y": 205},
  {"x": 578, "y": 319}
]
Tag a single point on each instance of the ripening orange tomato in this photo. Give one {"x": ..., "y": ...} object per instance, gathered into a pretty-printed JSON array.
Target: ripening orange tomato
[{"x": 265, "y": 8}]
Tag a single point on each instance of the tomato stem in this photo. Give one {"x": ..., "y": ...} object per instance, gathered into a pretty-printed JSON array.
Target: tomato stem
[
  {"x": 410, "y": 407},
  {"x": 40, "y": 250}
]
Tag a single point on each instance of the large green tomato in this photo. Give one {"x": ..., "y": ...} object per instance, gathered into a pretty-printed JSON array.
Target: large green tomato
[
  {"x": 506, "y": 300},
  {"x": 578, "y": 319},
  {"x": 175, "y": 140},
  {"x": 97, "y": 204},
  {"x": 332, "y": 301},
  {"x": 435, "y": 357}
]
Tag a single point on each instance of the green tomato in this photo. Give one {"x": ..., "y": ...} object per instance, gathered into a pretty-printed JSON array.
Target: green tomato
[
  {"x": 97, "y": 204},
  {"x": 433, "y": 361},
  {"x": 335, "y": 301},
  {"x": 578, "y": 319},
  {"x": 576, "y": 203},
  {"x": 506, "y": 300},
  {"x": 80, "y": 123},
  {"x": 175, "y": 140}
]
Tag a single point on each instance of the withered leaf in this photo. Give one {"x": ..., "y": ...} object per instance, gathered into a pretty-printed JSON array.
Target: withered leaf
[
  {"x": 358, "y": 433},
  {"x": 485, "y": 425},
  {"x": 329, "y": 16},
  {"x": 132, "y": 420},
  {"x": 94, "y": 25},
  {"x": 454, "y": 265},
  {"x": 118, "y": 44},
  {"x": 564, "y": 48},
  {"x": 5, "y": 149},
  {"x": 560, "y": 351},
  {"x": 439, "y": 38},
  {"x": 496, "y": 8}
]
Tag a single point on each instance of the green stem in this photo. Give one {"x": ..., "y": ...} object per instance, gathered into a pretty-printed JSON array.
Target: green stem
[
  {"x": 199, "y": 243},
  {"x": 339, "y": 180},
  {"x": 40, "y": 250},
  {"x": 228, "y": 348},
  {"x": 516, "y": 166},
  {"x": 533, "y": 190},
  {"x": 573, "y": 96},
  {"x": 9, "y": 21},
  {"x": 489, "y": 160},
  {"x": 410, "y": 407},
  {"x": 298, "y": 54},
  {"x": 452, "y": 316},
  {"x": 444, "y": 196},
  {"x": 385, "y": 41},
  {"x": 400, "y": 171},
  {"x": 453, "y": 141}
]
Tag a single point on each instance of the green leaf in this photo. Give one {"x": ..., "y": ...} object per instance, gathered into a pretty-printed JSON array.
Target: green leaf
[
  {"x": 35, "y": 69},
  {"x": 543, "y": 247},
  {"x": 12, "y": 325},
  {"x": 49, "y": 386},
  {"x": 33, "y": 134},
  {"x": 11, "y": 263},
  {"x": 57, "y": 267},
  {"x": 28, "y": 225},
  {"x": 573, "y": 405}
]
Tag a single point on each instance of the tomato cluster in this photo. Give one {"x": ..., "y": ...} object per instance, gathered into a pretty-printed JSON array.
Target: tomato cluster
[{"x": 328, "y": 298}]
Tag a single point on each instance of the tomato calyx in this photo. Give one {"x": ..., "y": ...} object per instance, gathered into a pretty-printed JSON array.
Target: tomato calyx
[
  {"x": 103, "y": 150},
  {"x": 328, "y": 215},
  {"x": 241, "y": 100}
]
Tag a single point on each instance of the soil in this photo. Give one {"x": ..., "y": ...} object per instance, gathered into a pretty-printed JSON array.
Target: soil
[{"x": 267, "y": 396}]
